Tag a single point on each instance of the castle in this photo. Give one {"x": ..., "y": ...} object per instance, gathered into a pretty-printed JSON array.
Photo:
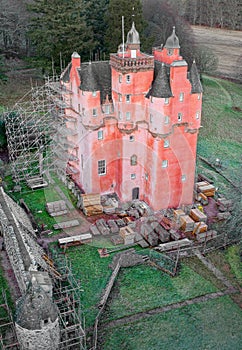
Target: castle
[{"x": 134, "y": 123}]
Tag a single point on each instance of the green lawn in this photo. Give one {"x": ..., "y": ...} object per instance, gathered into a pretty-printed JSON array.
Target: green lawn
[
  {"x": 142, "y": 288},
  {"x": 137, "y": 289},
  {"x": 215, "y": 324},
  {"x": 220, "y": 136}
]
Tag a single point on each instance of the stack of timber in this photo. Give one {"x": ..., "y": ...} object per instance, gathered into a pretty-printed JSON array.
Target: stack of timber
[
  {"x": 117, "y": 240},
  {"x": 197, "y": 215},
  {"x": 206, "y": 188},
  {"x": 56, "y": 208},
  {"x": 200, "y": 227},
  {"x": 187, "y": 224},
  {"x": 75, "y": 240},
  {"x": 177, "y": 215},
  {"x": 149, "y": 235},
  {"x": 140, "y": 241},
  {"x": 94, "y": 230},
  {"x": 127, "y": 234},
  {"x": 91, "y": 204}
]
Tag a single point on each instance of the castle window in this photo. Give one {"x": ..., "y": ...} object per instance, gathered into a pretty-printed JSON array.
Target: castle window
[
  {"x": 94, "y": 112},
  {"x": 183, "y": 178},
  {"x": 128, "y": 115},
  {"x": 198, "y": 96},
  {"x": 100, "y": 135},
  {"x": 106, "y": 109},
  {"x": 119, "y": 115},
  {"x": 197, "y": 115},
  {"x": 164, "y": 163},
  {"x": 170, "y": 52},
  {"x": 167, "y": 119},
  {"x": 82, "y": 160},
  {"x": 179, "y": 117},
  {"x": 83, "y": 110},
  {"x": 131, "y": 138},
  {"x": 151, "y": 99},
  {"x": 120, "y": 97},
  {"x": 128, "y": 79},
  {"x": 181, "y": 96},
  {"x": 120, "y": 78},
  {"x": 133, "y": 176},
  {"x": 128, "y": 98},
  {"x": 102, "y": 167},
  {"x": 166, "y": 143},
  {"x": 166, "y": 101},
  {"x": 133, "y": 160},
  {"x": 79, "y": 107},
  {"x": 151, "y": 118},
  {"x": 94, "y": 93}
]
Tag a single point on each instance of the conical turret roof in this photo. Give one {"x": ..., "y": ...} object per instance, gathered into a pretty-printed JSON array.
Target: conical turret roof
[
  {"x": 172, "y": 42},
  {"x": 133, "y": 36}
]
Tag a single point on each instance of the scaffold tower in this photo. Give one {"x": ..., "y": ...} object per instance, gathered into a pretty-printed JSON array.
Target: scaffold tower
[{"x": 37, "y": 135}]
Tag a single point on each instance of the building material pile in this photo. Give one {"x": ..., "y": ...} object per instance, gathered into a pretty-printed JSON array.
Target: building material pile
[
  {"x": 56, "y": 208},
  {"x": 197, "y": 215},
  {"x": 187, "y": 223},
  {"x": 206, "y": 188},
  {"x": 103, "y": 227},
  {"x": 66, "y": 224},
  {"x": 91, "y": 204},
  {"x": 127, "y": 234}
]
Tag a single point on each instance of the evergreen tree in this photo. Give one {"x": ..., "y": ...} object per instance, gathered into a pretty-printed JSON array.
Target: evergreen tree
[
  {"x": 95, "y": 15},
  {"x": 3, "y": 77},
  {"x": 132, "y": 11},
  {"x": 59, "y": 27}
]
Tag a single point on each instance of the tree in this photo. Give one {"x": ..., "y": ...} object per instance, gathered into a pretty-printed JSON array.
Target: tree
[
  {"x": 161, "y": 16},
  {"x": 95, "y": 14},
  {"x": 132, "y": 11},
  {"x": 59, "y": 27},
  {"x": 3, "y": 76},
  {"x": 206, "y": 60}
]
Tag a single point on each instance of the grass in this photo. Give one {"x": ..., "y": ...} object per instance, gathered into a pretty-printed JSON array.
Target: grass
[
  {"x": 222, "y": 121},
  {"x": 142, "y": 288},
  {"x": 215, "y": 324},
  {"x": 233, "y": 258},
  {"x": 139, "y": 288}
]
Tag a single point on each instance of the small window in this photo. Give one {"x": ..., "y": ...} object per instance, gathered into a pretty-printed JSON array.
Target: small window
[
  {"x": 128, "y": 115},
  {"x": 100, "y": 135},
  {"x": 183, "y": 178},
  {"x": 83, "y": 93},
  {"x": 82, "y": 160},
  {"x": 166, "y": 143},
  {"x": 128, "y": 79},
  {"x": 94, "y": 93},
  {"x": 198, "y": 96},
  {"x": 151, "y": 99},
  {"x": 133, "y": 176},
  {"x": 131, "y": 138},
  {"x": 120, "y": 97},
  {"x": 166, "y": 101},
  {"x": 164, "y": 163},
  {"x": 197, "y": 115},
  {"x": 119, "y": 115},
  {"x": 128, "y": 98},
  {"x": 106, "y": 109},
  {"x": 83, "y": 110},
  {"x": 167, "y": 119},
  {"x": 79, "y": 107},
  {"x": 181, "y": 96},
  {"x": 151, "y": 118},
  {"x": 94, "y": 112},
  {"x": 102, "y": 167},
  {"x": 170, "y": 52},
  {"x": 120, "y": 78},
  {"x": 133, "y": 160},
  {"x": 179, "y": 117}
]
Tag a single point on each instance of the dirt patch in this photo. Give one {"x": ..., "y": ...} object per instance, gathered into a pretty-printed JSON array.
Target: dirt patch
[{"x": 226, "y": 44}]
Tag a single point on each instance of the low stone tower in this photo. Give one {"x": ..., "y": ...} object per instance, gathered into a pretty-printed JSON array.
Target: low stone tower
[{"x": 36, "y": 322}]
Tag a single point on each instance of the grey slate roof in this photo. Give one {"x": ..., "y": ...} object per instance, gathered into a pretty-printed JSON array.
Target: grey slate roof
[
  {"x": 96, "y": 76},
  {"x": 161, "y": 83},
  {"x": 195, "y": 79},
  {"x": 172, "y": 41},
  {"x": 35, "y": 306}
]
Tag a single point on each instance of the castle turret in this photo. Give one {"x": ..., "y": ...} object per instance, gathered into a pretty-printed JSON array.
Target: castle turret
[{"x": 37, "y": 325}]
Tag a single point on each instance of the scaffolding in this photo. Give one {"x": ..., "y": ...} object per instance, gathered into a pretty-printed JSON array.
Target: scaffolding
[
  {"x": 8, "y": 337},
  {"x": 67, "y": 297},
  {"x": 37, "y": 134}
]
